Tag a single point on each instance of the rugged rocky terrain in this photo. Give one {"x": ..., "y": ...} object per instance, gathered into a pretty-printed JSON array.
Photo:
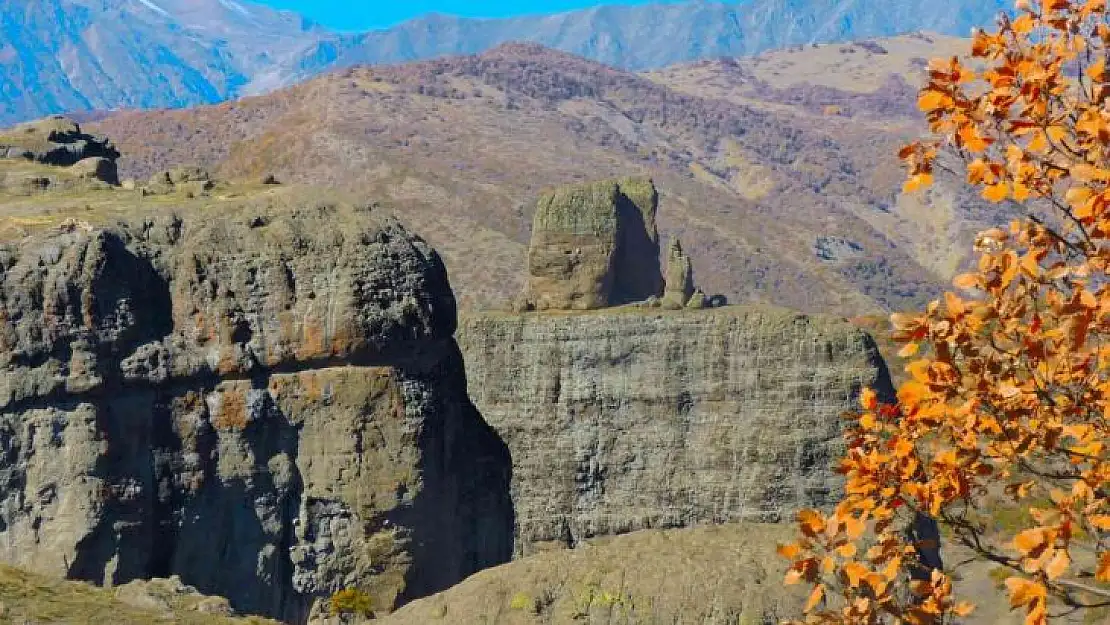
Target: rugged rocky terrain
[
  {"x": 776, "y": 200},
  {"x": 657, "y": 413},
  {"x": 254, "y": 388},
  {"x": 594, "y": 245},
  {"x": 628, "y": 419}
]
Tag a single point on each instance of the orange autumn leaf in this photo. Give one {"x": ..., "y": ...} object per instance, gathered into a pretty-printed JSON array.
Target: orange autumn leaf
[
  {"x": 856, "y": 573},
  {"x": 932, "y": 100},
  {"x": 789, "y": 550},
  {"x": 1029, "y": 540},
  {"x": 1024, "y": 592},
  {"x": 812, "y": 522},
  {"x": 814, "y": 598},
  {"x": 997, "y": 192},
  {"x": 909, "y": 350},
  {"x": 869, "y": 399},
  {"x": 1102, "y": 573},
  {"x": 963, "y": 608},
  {"x": 966, "y": 281},
  {"x": 1058, "y": 565},
  {"x": 916, "y": 182}
]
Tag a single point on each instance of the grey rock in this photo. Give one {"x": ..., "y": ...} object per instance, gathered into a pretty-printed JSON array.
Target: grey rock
[
  {"x": 594, "y": 245},
  {"x": 54, "y": 140},
  {"x": 633, "y": 419},
  {"x": 271, "y": 413},
  {"x": 679, "y": 277},
  {"x": 97, "y": 168},
  {"x": 698, "y": 300}
]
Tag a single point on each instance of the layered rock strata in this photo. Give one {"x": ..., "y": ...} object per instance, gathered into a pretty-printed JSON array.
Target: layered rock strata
[
  {"x": 630, "y": 419},
  {"x": 260, "y": 395}
]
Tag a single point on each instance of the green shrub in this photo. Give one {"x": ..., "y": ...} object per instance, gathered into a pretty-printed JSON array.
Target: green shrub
[{"x": 350, "y": 601}]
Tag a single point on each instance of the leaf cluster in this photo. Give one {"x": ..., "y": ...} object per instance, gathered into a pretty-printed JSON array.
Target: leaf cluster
[{"x": 1009, "y": 392}]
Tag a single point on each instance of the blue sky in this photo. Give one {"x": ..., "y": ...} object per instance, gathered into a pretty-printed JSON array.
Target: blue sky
[{"x": 366, "y": 14}]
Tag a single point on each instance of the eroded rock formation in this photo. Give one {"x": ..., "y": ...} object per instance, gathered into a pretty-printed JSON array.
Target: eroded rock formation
[
  {"x": 56, "y": 155},
  {"x": 680, "y": 277},
  {"x": 632, "y": 419},
  {"x": 60, "y": 142},
  {"x": 594, "y": 245},
  {"x": 259, "y": 395}
]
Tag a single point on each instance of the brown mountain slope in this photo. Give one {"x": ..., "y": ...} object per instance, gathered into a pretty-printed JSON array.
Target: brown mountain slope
[{"x": 778, "y": 199}]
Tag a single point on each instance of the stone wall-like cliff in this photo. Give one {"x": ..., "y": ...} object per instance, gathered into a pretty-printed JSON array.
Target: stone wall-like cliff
[
  {"x": 630, "y": 419},
  {"x": 261, "y": 395}
]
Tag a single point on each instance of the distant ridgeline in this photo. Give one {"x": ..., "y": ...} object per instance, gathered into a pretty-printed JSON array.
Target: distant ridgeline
[{"x": 176, "y": 53}]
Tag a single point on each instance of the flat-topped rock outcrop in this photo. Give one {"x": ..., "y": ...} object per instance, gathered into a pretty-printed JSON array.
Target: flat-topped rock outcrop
[
  {"x": 628, "y": 419},
  {"x": 258, "y": 392}
]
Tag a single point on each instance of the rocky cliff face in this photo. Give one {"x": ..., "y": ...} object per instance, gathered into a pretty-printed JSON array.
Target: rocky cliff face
[
  {"x": 632, "y": 419},
  {"x": 260, "y": 394}
]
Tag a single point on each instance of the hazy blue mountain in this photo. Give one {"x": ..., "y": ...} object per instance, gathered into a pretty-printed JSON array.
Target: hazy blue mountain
[
  {"x": 79, "y": 55},
  {"x": 66, "y": 55}
]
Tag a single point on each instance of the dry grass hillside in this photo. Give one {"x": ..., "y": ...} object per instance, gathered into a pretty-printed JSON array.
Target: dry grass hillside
[
  {"x": 26, "y": 598},
  {"x": 778, "y": 197},
  {"x": 719, "y": 575}
]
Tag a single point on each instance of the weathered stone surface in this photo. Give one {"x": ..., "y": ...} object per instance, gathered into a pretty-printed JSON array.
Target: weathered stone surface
[
  {"x": 698, "y": 300},
  {"x": 96, "y": 168},
  {"x": 192, "y": 179},
  {"x": 638, "y": 275},
  {"x": 633, "y": 418},
  {"x": 680, "y": 277},
  {"x": 169, "y": 595},
  {"x": 53, "y": 154},
  {"x": 594, "y": 245},
  {"x": 261, "y": 396},
  {"x": 54, "y": 141}
]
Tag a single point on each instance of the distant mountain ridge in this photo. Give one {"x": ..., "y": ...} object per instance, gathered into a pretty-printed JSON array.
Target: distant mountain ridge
[{"x": 81, "y": 55}]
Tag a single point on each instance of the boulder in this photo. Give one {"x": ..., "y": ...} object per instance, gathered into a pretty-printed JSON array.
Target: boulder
[
  {"x": 594, "y": 245},
  {"x": 191, "y": 180},
  {"x": 54, "y": 140},
  {"x": 698, "y": 300},
  {"x": 96, "y": 168},
  {"x": 572, "y": 254}
]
